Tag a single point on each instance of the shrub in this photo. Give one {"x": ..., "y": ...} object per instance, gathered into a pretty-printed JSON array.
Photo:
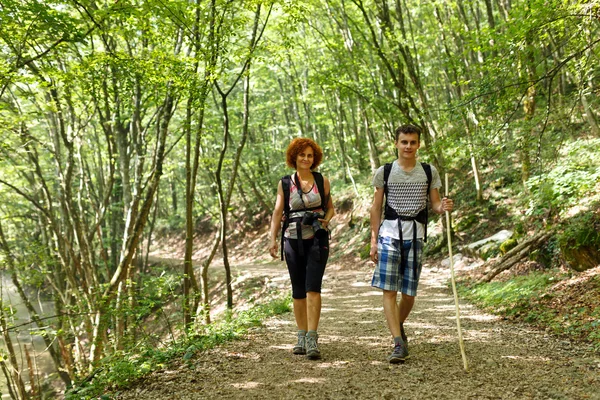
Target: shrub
[{"x": 579, "y": 240}]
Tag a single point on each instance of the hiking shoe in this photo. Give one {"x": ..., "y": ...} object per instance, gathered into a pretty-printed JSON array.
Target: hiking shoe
[
  {"x": 403, "y": 335},
  {"x": 399, "y": 354},
  {"x": 300, "y": 347},
  {"x": 312, "y": 349}
]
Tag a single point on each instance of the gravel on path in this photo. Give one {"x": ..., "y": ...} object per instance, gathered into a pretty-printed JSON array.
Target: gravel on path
[{"x": 506, "y": 360}]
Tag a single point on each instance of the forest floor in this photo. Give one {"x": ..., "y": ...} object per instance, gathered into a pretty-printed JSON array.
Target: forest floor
[{"x": 507, "y": 360}]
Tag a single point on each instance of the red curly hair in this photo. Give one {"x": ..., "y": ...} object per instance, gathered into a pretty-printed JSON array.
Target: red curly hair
[{"x": 297, "y": 146}]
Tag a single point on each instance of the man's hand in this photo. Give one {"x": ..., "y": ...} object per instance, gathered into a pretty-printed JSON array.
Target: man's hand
[
  {"x": 446, "y": 205},
  {"x": 373, "y": 253}
]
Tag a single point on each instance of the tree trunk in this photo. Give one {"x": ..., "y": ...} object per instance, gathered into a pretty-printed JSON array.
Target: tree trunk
[
  {"x": 518, "y": 253},
  {"x": 12, "y": 357}
]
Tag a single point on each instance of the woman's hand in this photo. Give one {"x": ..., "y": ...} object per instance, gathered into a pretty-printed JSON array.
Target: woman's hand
[
  {"x": 273, "y": 249},
  {"x": 324, "y": 222}
]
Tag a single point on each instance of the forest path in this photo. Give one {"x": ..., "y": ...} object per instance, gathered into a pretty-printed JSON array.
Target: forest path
[{"x": 506, "y": 360}]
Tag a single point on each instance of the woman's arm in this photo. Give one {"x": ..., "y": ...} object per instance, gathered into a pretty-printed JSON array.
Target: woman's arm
[
  {"x": 330, "y": 210},
  {"x": 276, "y": 221}
]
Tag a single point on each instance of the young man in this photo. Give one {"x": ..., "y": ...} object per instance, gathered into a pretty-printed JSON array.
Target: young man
[{"x": 397, "y": 242}]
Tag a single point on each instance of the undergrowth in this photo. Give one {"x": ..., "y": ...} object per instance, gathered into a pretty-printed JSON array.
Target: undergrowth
[
  {"x": 535, "y": 299},
  {"x": 123, "y": 368}
]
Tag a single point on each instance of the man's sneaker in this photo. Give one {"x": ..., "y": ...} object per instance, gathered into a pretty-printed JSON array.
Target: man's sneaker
[
  {"x": 312, "y": 349},
  {"x": 300, "y": 347},
  {"x": 403, "y": 335},
  {"x": 399, "y": 354}
]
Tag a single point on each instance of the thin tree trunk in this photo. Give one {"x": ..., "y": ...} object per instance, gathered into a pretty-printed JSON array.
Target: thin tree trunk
[{"x": 12, "y": 357}]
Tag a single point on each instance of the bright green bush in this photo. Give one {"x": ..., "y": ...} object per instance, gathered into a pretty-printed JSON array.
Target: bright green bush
[
  {"x": 579, "y": 240},
  {"x": 123, "y": 368},
  {"x": 566, "y": 184}
]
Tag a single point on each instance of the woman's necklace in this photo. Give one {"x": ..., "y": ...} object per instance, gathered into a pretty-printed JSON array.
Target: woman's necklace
[{"x": 305, "y": 184}]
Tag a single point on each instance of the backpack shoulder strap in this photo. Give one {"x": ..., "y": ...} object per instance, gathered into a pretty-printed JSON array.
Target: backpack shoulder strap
[
  {"x": 387, "y": 169},
  {"x": 427, "y": 169},
  {"x": 321, "y": 187},
  {"x": 285, "y": 185}
]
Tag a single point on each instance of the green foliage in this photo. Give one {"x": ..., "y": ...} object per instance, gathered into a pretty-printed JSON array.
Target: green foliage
[
  {"x": 582, "y": 230},
  {"x": 567, "y": 183},
  {"x": 507, "y": 245},
  {"x": 156, "y": 291},
  {"x": 548, "y": 254},
  {"x": 512, "y": 297},
  {"x": 123, "y": 368},
  {"x": 466, "y": 222},
  {"x": 579, "y": 239},
  {"x": 532, "y": 298},
  {"x": 88, "y": 87},
  {"x": 365, "y": 251}
]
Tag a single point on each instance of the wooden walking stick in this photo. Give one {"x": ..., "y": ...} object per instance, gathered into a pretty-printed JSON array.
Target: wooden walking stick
[{"x": 460, "y": 338}]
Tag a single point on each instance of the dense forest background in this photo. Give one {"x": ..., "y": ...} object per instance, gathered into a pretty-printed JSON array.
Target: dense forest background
[{"x": 120, "y": 119}]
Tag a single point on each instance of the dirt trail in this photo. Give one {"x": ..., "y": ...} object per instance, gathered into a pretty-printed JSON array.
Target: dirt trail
[{"x": 507, "y": 361}]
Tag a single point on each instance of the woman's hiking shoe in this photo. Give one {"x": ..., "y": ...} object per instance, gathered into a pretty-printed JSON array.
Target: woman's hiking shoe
[
  {"x": 312, "y": 348},
  {"x": 300, "y": 347},
  {"x": 399, "y": 354}
]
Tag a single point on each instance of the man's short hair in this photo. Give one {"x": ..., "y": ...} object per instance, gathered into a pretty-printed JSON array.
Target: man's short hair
[{"x": 408, "y": 129}]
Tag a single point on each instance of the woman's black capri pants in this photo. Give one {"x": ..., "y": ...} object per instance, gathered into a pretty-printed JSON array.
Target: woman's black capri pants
[{"x": 306, "y": 272}]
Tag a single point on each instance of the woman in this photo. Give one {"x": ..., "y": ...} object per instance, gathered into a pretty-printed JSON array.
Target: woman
[{"x": 305, "y": 237}]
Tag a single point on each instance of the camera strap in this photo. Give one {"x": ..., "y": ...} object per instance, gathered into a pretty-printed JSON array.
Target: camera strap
[{"x": 298, "y": 184}]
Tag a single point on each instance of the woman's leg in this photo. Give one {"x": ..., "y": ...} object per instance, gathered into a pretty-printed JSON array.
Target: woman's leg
[
  {"x": 313, "y": 308},
  {"x": 318, "y": 253},
  {"x": 297, "y": 270},
  {"x": 300, "y": 313}
]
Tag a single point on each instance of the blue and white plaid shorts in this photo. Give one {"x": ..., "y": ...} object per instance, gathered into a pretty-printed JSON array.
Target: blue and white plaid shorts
[{"x": 387, "y": 275}]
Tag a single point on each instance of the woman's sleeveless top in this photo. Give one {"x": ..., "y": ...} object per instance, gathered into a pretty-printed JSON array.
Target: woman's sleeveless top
[{"x": 311, "y": 199}]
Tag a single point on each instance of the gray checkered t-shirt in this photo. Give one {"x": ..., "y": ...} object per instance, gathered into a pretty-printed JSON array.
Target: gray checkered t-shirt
[{"x": 407, "y": 193}]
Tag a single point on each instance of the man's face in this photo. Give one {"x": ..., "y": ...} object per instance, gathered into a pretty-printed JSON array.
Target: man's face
[{"x": 407, "y": 145}]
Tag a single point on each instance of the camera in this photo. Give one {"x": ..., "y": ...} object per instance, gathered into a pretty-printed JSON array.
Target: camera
[{"x": 310, "y": 217}]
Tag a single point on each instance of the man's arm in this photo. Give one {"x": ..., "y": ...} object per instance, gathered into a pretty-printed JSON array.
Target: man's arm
[
  {"x": 376, "y": 221},
  {"x": 438, "y": 205}
]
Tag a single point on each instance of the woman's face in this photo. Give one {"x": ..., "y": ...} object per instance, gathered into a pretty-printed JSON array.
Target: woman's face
[{"x": 306, "y": 158}]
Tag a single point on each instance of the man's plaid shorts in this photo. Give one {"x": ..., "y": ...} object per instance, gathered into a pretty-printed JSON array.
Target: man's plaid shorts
[{"x": 387, "y": 274}]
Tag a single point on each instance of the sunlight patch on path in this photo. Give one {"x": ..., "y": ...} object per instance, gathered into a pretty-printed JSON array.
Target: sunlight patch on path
[
  {"x": 335, "y": 364},
  {"x": 310, "y": 380},
  {"x": 247, "y": 385}
]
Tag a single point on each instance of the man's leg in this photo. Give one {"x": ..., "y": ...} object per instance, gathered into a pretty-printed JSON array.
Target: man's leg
[
  {"x": 406, "y": 305},
  {"x": 404, "y": 308},
  {"x": 410, "y": 281},
  {"x": 390, "y": 309}
]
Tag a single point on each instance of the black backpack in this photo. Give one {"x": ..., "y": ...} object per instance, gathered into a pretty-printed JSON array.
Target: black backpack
[
  {"x": 390, "y": 213},
  {"x": 286, "y": 184}
]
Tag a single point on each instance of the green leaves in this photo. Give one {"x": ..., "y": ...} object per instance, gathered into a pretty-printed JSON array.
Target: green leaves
[{"x": 568, "y": 182}]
